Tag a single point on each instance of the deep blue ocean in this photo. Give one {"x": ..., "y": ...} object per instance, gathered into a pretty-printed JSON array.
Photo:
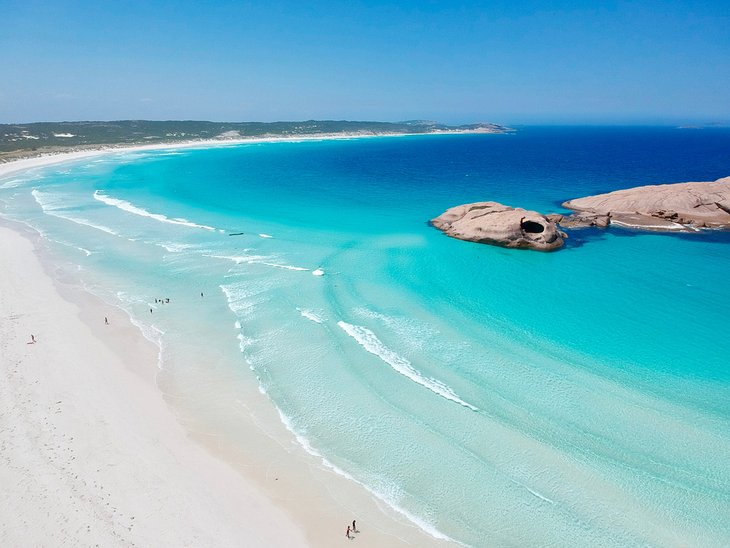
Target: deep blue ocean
[{"x": 496, "y": 397}]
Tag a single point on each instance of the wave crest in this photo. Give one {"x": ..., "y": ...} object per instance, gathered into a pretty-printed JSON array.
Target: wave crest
[
  {"x": 370, "y": 342},
  {"x": 52, "y": 204},
  {"x": 129, "y": 207}
]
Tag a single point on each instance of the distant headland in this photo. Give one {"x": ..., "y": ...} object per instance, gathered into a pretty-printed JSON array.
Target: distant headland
[
  {"x": 678, "y": 207},
  {"x": 40, "y": 138}
]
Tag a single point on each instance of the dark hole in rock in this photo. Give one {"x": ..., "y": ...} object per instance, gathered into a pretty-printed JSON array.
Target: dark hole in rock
[{"x": 532, "y": 227}]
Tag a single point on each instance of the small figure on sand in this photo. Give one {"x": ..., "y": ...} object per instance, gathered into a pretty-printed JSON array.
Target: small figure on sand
[
  {"x": 201, "y": 293},
  {"x": 167, "y": 300},
  {"x": 347, "y": 533},
  {"x": 155, "y": 301},
  {"x": 354, "y": 528},
  {"x": 32, "y": 339},
  {"x": 106, "y": 320},
  {"x": 150, "y": 311}
]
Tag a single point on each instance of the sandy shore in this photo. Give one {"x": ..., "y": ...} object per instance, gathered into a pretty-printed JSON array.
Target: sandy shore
[
  {"x": 34, "y": 160},
  {"x": 91, "y": 453}
]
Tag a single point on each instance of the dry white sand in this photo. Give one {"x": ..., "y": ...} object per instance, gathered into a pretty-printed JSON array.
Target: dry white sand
[
  {"x": 73, "y": 154},
  {"x": 91, "y": 454}
]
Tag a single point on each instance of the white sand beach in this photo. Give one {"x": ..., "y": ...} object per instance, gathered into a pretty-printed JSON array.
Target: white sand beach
[{"x": 91, "y": 453}]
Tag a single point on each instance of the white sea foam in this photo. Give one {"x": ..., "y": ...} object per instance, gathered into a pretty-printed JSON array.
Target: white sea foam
[
  {"x": 370, "y": 342},
  {"x": 673, "y": 226},
  {"x": 68, "y": 244},
  {"x": 244, "y": 298},
  {"x": 85, "y": 222},
  {"x": 237, "y": 291},
  {"x": 389, "y": 500},
  {"x": 238, "y": 259},
  {"x": 124, "y": 205},
  {"x": 52, "y": 204},
  {"x": 149, "y": 331},
  {"x": 173, "y": 247},
  {"x": 258, "y": 259},
  {"x": 538, "y": 495},
  {"x": 318, "y": 272},
  {"x": 285, "y": 266},
  {"x": 48, "y": 201},
  {"x": 265, "y": 236},
  {"x": 418, "y": 334},
  {"x": 244, "y": 342},
  {"x": 12, "y": 183},
  {"x": 237, "y": 325},
  {"x": 311, "y": 315}
]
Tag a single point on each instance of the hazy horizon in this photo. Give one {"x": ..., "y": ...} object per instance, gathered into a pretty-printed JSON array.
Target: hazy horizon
[{"x": 689, "y": 124}]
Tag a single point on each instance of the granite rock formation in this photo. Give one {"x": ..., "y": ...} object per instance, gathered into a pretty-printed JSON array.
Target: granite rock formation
[
  {"x": 497, "y": 224},
  {"x": 580, "y": 220},
  {"x": 672, "y": 207}
]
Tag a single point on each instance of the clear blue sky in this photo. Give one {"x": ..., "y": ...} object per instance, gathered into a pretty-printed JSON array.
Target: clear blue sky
[{"x": 452, "y": 61}]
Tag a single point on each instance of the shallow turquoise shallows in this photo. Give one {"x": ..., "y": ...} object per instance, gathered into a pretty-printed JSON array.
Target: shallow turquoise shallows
[{"x": 496, "y": 397}]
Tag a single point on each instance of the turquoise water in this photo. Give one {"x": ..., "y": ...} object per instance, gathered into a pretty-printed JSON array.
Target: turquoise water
[{"x": 498, "y": 397}]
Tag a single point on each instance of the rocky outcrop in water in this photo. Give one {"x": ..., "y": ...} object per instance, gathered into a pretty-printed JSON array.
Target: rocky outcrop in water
[
  {"x": 672, "y": 207},
  {"x": 501, "y": 225},
  {"x": 580, "y": 220}
]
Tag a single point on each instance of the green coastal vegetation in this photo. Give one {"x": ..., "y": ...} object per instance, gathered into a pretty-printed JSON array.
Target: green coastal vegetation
[{"x": 21, "y": 140}]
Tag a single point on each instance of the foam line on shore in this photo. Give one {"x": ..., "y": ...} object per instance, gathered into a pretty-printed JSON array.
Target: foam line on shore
[
  {"x": 307, "y": 446},
  {"x": 370, "y": 342},
  {"x": 87, "y": 430}
]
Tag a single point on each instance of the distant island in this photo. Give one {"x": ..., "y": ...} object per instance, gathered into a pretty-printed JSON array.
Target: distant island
[{"x": 40, "y": 138}]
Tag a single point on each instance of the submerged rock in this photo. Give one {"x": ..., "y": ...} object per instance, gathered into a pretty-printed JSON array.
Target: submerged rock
[{"x": 497, "y": 224}]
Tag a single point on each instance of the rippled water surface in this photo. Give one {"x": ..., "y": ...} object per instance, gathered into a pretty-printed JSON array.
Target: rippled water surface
[{"x": 497, "y": 397}]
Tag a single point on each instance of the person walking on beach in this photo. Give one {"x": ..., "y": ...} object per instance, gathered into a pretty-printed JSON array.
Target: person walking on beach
[
  {"x": 354, "y": 529},
  {"x": 32, "y": 339},
  {"x": 106, "y": 320},
  {"x": 347, "y": 533}
]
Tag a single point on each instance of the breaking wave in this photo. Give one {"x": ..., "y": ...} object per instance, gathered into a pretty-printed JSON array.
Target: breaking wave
[
  {"x": 258, "y": 259},
  {"x": 370, "y": 342},
  {"x": 52, "y": 205},
  {"x": 124, "y": 205},
  {"x": 390, "y": 500},
  {"x": 311, "y": 315}
]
